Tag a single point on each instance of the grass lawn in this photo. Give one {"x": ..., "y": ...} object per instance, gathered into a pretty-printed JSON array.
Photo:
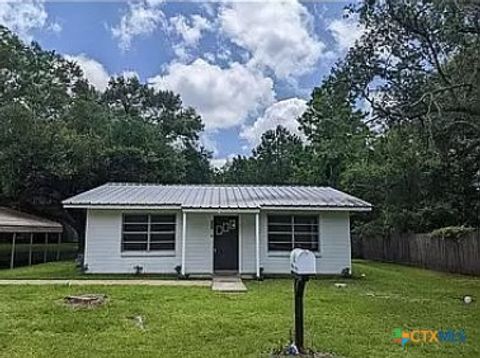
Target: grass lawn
[
  {"x": 66, "y": 270},
  {"x": 356, "y": 321}
]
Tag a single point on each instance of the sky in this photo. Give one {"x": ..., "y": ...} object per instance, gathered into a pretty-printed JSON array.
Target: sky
[{"x": 245, "y": 66}]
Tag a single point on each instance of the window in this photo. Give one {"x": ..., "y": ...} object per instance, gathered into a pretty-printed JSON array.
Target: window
[
  {"x": 148, "y": 232},
  {"x": 286, "y": 232}
]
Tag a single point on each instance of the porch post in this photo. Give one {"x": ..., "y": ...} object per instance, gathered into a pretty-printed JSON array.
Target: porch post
[
  {"x": 45, "y": 249},
  {"x": 30, "y": 250},
  {"x": 59, "y": 244},
  {"x": 184, "y": 236},
  {"x": 257, "y": 244},
  {"x": 12, "y": 255}
]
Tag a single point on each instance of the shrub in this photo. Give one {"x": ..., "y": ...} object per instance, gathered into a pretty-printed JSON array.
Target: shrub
[{"x": 451, "y": 232}]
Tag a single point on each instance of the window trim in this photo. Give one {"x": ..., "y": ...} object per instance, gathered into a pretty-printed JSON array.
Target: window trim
[
  {"x": 292, "y": 215},
  {"x": 149, "y": 233}
]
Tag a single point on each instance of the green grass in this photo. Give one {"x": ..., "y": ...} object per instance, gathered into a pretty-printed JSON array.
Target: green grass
[
  {"x": 195, "y": 322},
  {"x": 66, "y": 270},
  {"x": 50, "y": 270}
]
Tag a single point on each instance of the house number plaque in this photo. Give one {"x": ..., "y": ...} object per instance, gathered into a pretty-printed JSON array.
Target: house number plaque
[{"x": 225, "y": 227}]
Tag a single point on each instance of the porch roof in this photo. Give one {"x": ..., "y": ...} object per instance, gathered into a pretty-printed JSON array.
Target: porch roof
[{"x": 213, "y": 197}]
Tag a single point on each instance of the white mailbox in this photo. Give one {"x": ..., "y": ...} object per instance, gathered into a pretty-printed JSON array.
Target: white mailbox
[{"x": 302, "y": 262}]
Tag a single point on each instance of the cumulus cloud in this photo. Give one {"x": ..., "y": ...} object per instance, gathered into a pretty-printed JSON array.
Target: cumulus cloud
[
  {"x": 141, "y": 18},
  {"x": 284, "y": 113},
  {"x": 278, "y": 35},
  {"x": 345, "y": 32},
  {"x": 189, "y": 28},
  {"x": 93, "y": 70},
  {"x": 224, "y": 97},
  {"x": 22, "y": 17},
  {"x": 218, "y": 162},
  {"x": 130, "y": 74}
]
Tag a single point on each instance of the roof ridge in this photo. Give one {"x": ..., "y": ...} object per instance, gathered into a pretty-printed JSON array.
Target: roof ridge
[{"x": 216, "y": 185}]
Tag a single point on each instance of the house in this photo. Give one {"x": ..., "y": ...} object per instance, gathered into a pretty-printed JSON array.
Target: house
[{"x": 207, "y": 229}]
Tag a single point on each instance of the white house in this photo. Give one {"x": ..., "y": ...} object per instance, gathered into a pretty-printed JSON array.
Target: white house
[{"x": 207, "y": 229}]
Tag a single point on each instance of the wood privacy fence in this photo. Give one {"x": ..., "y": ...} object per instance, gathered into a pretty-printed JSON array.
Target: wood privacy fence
[{"x": 443, "y": 254}]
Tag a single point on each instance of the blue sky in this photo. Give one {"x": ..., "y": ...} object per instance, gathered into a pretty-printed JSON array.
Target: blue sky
[{"x": 245, "y": 66}]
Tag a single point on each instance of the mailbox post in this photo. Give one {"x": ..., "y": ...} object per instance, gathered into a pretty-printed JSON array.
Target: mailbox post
[{"x": 303, "y": 265}]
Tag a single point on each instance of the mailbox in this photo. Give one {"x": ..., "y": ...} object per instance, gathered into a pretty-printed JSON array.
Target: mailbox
[
  {"x": 302, "y": 262},
  {"x": 302, "y": 265}
]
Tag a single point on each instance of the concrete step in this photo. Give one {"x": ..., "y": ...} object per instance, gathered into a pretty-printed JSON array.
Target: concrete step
[{"x": 228, "y": 284}]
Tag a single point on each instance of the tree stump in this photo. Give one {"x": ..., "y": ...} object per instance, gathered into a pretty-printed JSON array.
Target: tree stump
[{"x": 86, "y": 300}]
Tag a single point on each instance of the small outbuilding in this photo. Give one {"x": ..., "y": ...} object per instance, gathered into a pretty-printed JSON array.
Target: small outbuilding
[
  {"x": 23, "y": 235},
  {"x": 208, "y": 229}
]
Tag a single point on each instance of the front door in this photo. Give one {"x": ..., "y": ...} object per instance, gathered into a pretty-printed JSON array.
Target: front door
[{"x": 225, "y": 244}]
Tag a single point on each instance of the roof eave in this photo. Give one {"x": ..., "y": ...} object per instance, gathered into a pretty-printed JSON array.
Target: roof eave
[
  {"x": 318, "y": 208},
  {"x": 215, "y": 209},
  {"x": 121, "y": 206}
]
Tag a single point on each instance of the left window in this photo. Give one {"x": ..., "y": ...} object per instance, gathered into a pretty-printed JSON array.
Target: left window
[{"x": 148, "y": 232}]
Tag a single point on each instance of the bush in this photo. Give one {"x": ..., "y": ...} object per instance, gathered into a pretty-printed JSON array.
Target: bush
[{"x": 451, "y": 232}]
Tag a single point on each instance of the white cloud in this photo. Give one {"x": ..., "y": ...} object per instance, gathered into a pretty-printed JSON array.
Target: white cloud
[
  {"x": 142, "y": 18},
  {"x": 224, "y": 97},
  {"x": 208, "y": 142},
  {"x": 218, "y": 162},
  {"x": 189, "y": 29},
  {"x": 129, "y": 74},
  {"x": 284, "y": 113},
  {"x": 22, "y": 17},
  {"x": 345, "y": 32},
  {"x": 278, "y": 35},
  {"x": 55, "y": 27},
  {"x": 93, "y": 70}
]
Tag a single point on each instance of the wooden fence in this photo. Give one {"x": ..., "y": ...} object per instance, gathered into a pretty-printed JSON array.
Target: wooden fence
[{"x": 442, "y": 254}]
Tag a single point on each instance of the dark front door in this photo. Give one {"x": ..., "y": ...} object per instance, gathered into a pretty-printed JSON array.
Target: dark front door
[{"x": 225, "y": 244}]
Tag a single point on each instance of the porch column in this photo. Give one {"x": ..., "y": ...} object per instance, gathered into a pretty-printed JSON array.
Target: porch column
[
  {"x": 184, "y": 236},
  {"x": 45, "y": 249},
  {"x": 12, "y": 254},
  {"x": 59, "y": 244},
  {"x": 30, "y": 250},
  {"x": 257, "y": 244}
]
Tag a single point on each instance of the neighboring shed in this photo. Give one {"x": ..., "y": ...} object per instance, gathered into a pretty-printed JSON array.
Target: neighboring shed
[{"x": 19, "y": 228}]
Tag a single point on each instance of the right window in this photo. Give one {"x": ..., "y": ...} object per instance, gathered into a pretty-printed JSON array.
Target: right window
[{"x": 287, "y": 232}]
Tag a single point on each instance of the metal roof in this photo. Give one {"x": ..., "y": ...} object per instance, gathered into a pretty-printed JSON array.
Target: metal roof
[
  {"x": 215, "y": 197},
  {"x": 17, "y": 221}
]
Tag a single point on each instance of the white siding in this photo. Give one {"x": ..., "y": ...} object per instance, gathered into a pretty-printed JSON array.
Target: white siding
[
  {"x": 199, "y": 244},
  {"x": 334, "y": 253},
  {"x": 103, "y": 247},
  {"x": 103, "y": 239},
  {"x": 247, "y": 242}
]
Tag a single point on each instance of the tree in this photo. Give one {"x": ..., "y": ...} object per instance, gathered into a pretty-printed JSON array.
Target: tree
[
  {"x": 278, "y": 159},
  {"x": 60, "y": 136},
  {"x": 417, "y": 67},
  {"x": 335, "y": 131}
]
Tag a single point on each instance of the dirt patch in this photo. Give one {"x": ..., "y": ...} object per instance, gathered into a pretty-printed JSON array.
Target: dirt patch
[
  {"x": 89, "y": 300},
  {"x": 306, "y": 355},
  {"x": 288, "y": 352}
]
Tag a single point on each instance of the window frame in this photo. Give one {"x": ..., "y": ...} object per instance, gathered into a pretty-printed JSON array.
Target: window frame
[
  {"x": 291, "y": 225},
  {"x": 149, "y": 223}
]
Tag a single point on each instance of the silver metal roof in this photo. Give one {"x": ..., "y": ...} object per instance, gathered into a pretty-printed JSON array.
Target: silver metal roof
[
  {"x": 17, "y": 221},
  {"x": 215, "y": 197}
]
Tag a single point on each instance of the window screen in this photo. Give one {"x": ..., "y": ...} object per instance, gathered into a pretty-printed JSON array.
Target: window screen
[
  {"x": 148, "y": 232},
  {"x": 286, "y": 232}
]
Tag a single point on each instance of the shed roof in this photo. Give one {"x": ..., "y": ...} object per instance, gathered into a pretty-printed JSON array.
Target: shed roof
[
  {"x": 216, "y": 197},
  {"x": 17, "y": 221}
]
